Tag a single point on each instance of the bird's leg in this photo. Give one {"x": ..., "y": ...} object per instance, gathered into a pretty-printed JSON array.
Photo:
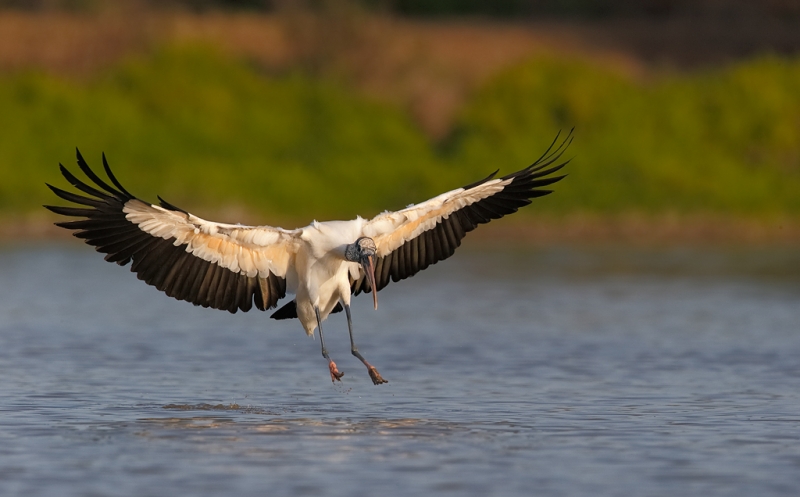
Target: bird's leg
[
  {"x": 373, "y": 373},
  {"x": 335, "y": 374}
]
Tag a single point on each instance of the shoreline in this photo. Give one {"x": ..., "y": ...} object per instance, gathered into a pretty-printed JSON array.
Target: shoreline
[{"x": 570, "y": 229}]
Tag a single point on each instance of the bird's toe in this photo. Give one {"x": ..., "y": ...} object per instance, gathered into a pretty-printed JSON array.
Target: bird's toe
[
  {"x": 336, "y": 375},
  {"x": 377, "y": 379}
]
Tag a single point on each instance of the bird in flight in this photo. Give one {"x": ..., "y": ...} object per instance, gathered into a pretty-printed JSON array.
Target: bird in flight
[{"x": 234, "y": 267}]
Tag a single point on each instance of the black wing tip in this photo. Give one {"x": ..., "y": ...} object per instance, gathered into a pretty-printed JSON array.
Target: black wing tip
[
  {"x": 94, "y": 182},
  {"x": 551, "y": 154},
  {"x": 58, "y": 191},
  {"x": 538, "y": 175},
  {"x": 113, "y": 178},
  {"x": 481, "y": 181},
  {"x": 551, "y": 180},
  {"x": 82, "y": 162}
]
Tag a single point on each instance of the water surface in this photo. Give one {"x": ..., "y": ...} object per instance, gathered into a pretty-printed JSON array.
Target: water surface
[{"x": 555, "y": 371}]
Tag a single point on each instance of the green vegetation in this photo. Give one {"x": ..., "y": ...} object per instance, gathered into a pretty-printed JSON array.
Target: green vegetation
[
  {"x": 725, "y": 141},
  {"x": 206, "y": 132}
]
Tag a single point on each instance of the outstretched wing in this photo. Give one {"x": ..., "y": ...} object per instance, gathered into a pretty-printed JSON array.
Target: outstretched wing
[
  {"x": 412, "y": 239},
  {"x": 223, "y": 266}
]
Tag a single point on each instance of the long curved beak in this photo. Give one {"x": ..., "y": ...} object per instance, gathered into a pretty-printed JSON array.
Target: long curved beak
[{"x": 369, "y": 268}]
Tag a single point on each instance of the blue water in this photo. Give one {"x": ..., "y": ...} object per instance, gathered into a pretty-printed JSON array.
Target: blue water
[{"x": 558, "y": 371}]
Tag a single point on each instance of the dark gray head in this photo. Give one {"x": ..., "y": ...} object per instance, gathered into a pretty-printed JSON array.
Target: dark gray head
[
  {"x": 363, "y": 252},
  {"x": 360, "y": 249}
]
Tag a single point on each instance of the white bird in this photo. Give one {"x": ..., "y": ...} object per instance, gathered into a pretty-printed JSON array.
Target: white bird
[{"x": 232, "y": 267}]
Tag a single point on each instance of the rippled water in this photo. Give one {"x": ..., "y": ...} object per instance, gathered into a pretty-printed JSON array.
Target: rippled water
[{"x": 543, "y": 372}]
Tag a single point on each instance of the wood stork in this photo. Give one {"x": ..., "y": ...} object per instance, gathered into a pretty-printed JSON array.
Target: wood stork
[{"x": 233, "y": 267}]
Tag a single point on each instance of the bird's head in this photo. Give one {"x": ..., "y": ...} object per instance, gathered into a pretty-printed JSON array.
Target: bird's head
[{"x": 363, "y": 252}]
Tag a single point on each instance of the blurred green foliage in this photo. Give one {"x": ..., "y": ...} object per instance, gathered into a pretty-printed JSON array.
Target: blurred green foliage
[
  {"x": 720, "y": 141},
  {"x": 206, "y": 132}
]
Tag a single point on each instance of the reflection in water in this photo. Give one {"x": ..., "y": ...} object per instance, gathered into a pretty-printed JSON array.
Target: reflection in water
[
  {"x": 204, "y": 407},
  {"x": 300, "y": 426},
  {"x": 554, "y": 372}
]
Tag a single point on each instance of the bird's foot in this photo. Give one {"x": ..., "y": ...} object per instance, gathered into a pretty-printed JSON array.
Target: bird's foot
[
  {"x": 335, "y": 374},
  {"x": 376, "y": 376}
]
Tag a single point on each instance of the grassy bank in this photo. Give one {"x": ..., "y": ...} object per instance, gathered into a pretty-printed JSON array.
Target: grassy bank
[{"x": 209, "y": 132}]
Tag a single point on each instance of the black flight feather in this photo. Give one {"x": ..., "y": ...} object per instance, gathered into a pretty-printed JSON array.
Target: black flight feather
[{"x": 157, "y": 261}]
